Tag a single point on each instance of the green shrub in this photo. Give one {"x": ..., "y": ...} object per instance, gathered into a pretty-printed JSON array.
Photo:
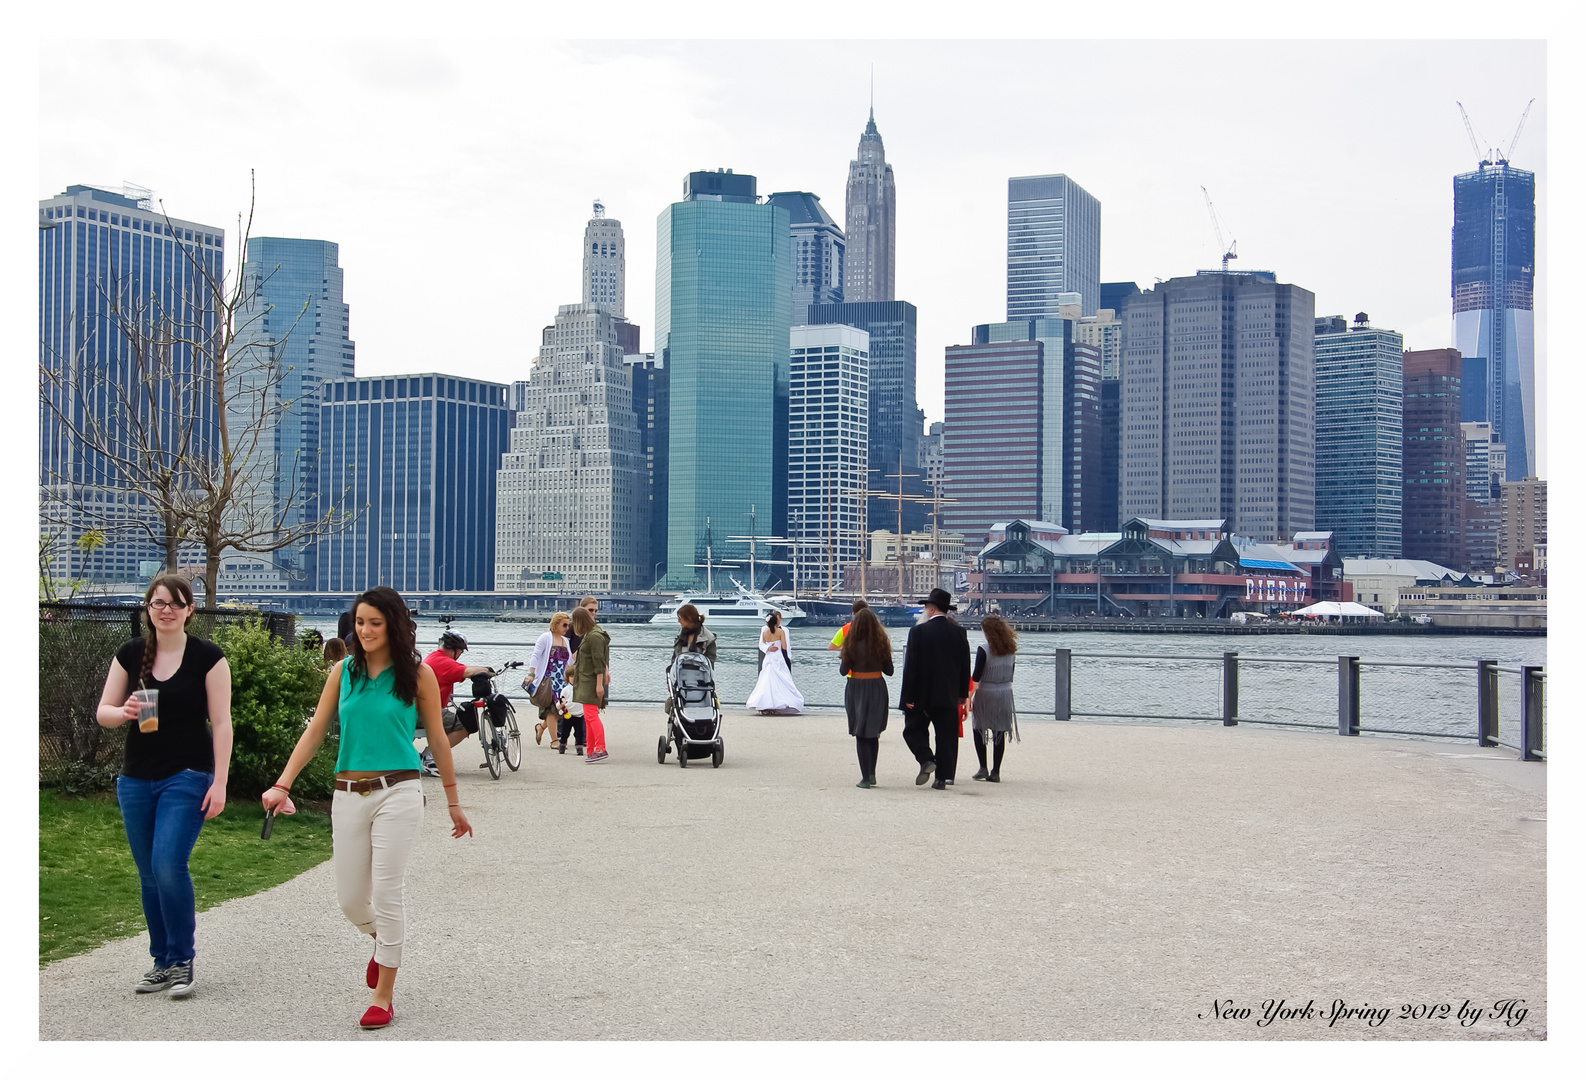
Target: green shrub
[{"x": 273, "y": 693}]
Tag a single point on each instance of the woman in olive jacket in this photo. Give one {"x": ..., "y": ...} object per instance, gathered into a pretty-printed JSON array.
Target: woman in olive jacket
[{"x": 591, "y": 675}]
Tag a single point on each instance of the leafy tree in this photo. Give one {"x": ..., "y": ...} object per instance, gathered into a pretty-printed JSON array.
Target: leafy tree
[{"x": 273, "y": 693}]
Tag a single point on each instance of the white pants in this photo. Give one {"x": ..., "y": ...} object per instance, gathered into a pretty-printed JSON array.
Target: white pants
[{"x": 371, "y": 838}]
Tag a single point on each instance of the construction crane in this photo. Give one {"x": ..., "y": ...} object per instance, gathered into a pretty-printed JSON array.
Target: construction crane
[
  {"x": 1518, "y": 128},
  {"x": 1492, "y": 154},
  {"x": 1231, "y": 250},
  {"x": 1475, "y": 144}
]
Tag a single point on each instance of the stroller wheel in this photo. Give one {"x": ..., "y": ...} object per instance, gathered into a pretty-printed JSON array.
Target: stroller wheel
[
  {"x": 660, "y": 751},
  {"x": 716, "y": 755},
  {"x": 682, "y": 754}
]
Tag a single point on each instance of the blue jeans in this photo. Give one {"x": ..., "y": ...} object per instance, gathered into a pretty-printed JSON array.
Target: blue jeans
[{"x": 162, "y": 818}]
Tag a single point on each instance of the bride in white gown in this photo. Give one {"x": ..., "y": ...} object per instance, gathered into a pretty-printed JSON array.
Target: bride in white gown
[{"x": 774, "y": 691}]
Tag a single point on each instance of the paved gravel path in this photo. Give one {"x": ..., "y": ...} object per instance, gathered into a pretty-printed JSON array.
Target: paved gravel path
[{"x": 1118, "y": 882}]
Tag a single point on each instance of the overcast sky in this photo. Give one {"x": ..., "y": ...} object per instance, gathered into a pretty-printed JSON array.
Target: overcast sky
[{"x": 457, "y": 177}]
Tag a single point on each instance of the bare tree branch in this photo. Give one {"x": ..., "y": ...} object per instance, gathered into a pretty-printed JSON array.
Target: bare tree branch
[{"x": 185, "y": 421}]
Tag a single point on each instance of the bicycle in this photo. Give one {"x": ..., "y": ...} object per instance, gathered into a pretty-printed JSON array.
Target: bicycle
[{"x": 498, "y": 721}]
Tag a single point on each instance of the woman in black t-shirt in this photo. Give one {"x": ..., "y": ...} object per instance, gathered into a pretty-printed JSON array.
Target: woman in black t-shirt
[{"x": 173, "y": 776}]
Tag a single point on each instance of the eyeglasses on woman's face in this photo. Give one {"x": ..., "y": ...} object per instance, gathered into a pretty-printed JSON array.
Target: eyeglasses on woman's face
[{"x": 167, "y": 605}]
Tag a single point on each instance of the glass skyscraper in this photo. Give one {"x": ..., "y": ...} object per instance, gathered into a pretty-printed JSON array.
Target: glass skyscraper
[
  {"x": 723, "y": 281},
  {"x": 111, "y": 263},
  {"x": 1493, "y": 282},
  {"x": 1054, "y": 246},
  {"x": 298, "y": 320},
  {"x": 896, "y": 421},
  {"x": 414, "y": 457},
  {"x": 652, "y": 406},
  {"x": 817, "y": 251},
  {"x": 1360, "y": 437},
  {"x": 1434, "y": 458}
]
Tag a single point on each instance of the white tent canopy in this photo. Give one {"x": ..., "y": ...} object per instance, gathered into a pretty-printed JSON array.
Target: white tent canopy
[{"x": 1335, "y": 609}]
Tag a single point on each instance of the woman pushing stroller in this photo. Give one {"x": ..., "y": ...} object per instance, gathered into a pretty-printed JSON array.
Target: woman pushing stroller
[{"x": 692, "y": 635}]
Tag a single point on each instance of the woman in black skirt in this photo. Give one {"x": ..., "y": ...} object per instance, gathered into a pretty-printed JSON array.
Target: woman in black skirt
[{"x": 866, "y": 657}]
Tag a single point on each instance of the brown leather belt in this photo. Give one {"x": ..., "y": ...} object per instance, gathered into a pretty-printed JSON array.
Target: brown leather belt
[
  {"x": 375, "y": 783},
  {"x": 864, "y": 674}
]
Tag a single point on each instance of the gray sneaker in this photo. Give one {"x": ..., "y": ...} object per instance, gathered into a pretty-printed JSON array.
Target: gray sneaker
[
  {"x": 427, "y": 764},
  {"x": 158, "y": 978},
  {"x": 181, "y": 979}
]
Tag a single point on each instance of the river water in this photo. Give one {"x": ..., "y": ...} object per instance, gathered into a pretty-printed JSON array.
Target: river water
[{"x": 1135, "y": 675}]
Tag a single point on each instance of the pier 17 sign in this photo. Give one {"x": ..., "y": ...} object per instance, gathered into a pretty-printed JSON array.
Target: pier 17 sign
[{"x": 1279, "y": 590}]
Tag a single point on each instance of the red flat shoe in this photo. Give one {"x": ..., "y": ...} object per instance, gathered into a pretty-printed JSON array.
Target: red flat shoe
[
  {"x": 372, "y": 976},
  {"x": 377, "y": 1017}
]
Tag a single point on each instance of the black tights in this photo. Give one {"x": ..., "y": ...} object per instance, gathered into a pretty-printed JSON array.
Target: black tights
[
  {"x": 868, "y": 749},
  {"x": 1000, "y": 745}
]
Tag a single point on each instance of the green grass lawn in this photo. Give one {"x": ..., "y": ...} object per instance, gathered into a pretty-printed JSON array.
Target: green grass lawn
[{"x": 88, "y": 885}]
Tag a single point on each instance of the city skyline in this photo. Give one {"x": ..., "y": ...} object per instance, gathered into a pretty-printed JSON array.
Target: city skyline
[{"x": 951, "y": 206}]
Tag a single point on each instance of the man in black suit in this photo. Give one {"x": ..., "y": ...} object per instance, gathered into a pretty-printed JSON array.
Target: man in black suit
[{"x": 935, "y": 683}]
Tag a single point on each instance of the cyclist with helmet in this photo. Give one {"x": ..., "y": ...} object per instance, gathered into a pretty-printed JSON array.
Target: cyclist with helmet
[{"x": 459, "y": 723}]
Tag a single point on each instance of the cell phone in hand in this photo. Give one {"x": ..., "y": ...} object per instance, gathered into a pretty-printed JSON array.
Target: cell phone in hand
[{"x": 269, "y": 825}]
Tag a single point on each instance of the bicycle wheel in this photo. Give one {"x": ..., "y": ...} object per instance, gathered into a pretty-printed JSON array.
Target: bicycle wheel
[
  {"x": 491, "y": 743},
  {"x": 514, "y": 740}
]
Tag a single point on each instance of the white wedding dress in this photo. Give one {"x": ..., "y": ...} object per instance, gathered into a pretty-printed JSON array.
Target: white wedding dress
[{"x": 774, "y": 691}]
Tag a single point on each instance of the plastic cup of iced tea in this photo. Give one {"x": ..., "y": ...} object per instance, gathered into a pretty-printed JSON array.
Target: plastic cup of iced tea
[{"x": 148, "y": 709}]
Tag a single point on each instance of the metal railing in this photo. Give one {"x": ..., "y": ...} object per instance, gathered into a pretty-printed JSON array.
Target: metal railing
[
  {"x": 1532, "y": 697},
  {"x": 1485, "y": 733}
]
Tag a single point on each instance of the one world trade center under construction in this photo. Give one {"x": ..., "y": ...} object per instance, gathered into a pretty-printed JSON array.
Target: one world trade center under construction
[{"x": 1494, "y": 278}]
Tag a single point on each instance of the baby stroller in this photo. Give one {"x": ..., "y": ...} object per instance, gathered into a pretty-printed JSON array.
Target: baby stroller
[{"x": 695, "y": 720}]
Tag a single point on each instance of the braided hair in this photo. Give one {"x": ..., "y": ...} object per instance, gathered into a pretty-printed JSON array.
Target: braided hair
[{"x": 177, "y": 588}]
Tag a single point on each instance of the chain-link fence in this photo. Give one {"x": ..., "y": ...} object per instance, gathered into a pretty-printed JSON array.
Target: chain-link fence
[{"x": 77, "y": 643}]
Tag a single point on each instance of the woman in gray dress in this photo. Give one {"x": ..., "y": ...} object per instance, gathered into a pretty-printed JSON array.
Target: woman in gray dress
[
  {"x": 866, "y": 657},
  {"x": 991, "y": 701}
]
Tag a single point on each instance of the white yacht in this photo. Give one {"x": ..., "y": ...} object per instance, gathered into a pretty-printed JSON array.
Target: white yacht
[{"x": 744, "y": 608}]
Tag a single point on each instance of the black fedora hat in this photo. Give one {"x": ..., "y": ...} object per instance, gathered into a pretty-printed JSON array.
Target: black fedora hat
[{"x": 941, "y": 600}]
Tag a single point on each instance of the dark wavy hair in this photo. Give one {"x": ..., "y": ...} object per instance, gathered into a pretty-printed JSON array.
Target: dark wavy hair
[
  {"x": 401, "y": 636},
  {"x": 773, "y": 620},
  {"x": 180, "y": 589},
  {"x": 1001, "y": 640},
  {"x": 866, "y": 646},
  {"x": 691, "y": 616}
]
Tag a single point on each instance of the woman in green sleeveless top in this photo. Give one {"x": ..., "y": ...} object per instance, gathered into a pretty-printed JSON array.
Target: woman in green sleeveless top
[{"x": 378, "y": 805}]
